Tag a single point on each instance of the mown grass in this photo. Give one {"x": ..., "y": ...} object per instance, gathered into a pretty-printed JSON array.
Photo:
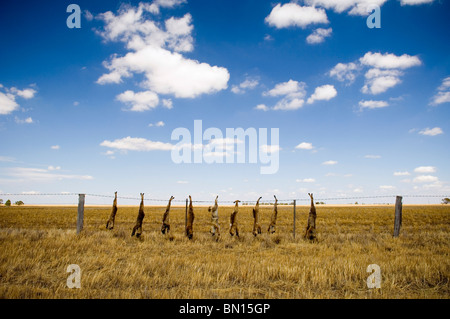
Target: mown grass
[{"x": 38, "y": 243}]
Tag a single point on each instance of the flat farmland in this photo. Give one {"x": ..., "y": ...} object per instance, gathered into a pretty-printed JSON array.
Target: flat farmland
[{"x": 39, "y": 242}]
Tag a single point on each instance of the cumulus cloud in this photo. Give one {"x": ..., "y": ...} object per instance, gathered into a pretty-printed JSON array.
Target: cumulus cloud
[
  {"x": 262, "y": 107},
  {"x": 28, "y": 120},
  {"x": 431, "y": 131},
  {"x": 330, "y": 163},
  {"x": 425, "y": 169},
  {"x": 136, "y": 144},
  {"x": 389, "y": 61},
  {"x": 353, "y": 7},
  {"x": 345, "y": 72},
  {"x": 157, "y": 124},
  {"x": 139, "y": 102},
  {"x": 372, "y": 104},
  {"x": 248, "y": 84},
  {"x": 425, "y": 179},
  {"x": 155, "y": 51},
  {"x": 294, "y": 15},
  {"x": 443, "y": 94},
  {"x": 387, "y": 187},
  {"x": 379, "y": 81},
  {"x": 8, "y": 102},
  {"x": 304, "y": 146},
  {"x": 292, "y": 93},
  {"x": 319, "y": 35},
  {"x": 323, "y": 93},
  {"x": 405, "y": 173},
  {"x": 55, "y": 147}
]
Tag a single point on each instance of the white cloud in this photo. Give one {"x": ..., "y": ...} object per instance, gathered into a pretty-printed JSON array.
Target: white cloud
[
  {"x": 248, "y": 84},
  {"x": 182, "y": 182},
  {"x": 358, "y": 190},
  {"x": 262, "y": 107},
  {"x": 323, "y": 93},
  {"x": 292, "y": 92},
  {"x": 372, "y": 156},
  {"x": 379, "y": 81},
  {"x": 431, "y": 131},
  {"x": 389, "y": 60},
  {"x": 26, "y": 93},
  {"x": 6, "y": 159},
  {"x": 88, "y": 15},
  {"x": 55, "y": 147},
  {"x": 414, "y": 2},
  {"x": 401, "y": 173},
  {"x": 354, "y": 7},
  {"x": 28, "y": 120},
  {"x": 294, "y": 15},
  {"x": 425, "y": 169},
  {"x": 387, "y": 187},
  {"x": 304, "y": 146},
  {"x": 139, "y": 102},
  {"x": 155, "y": 54},
  {"x": 157, "y": 124},
  {"x": 54, "y": 168},
  {"x": 319, "y": 35},
  {"x": 345, "y": 72},
  {"x": 330, "y": 163},
  {"x": 443, "y": 94},
  {"x": 39, "y": 174},
  {"x": 425, "y": 179},
  {"x": 305, "y": 180},
  {"x": 372, "y": 104},
  {"x": 167, "y": 103},
  {"x": 7, "y": 103},
  {"x": 136, "y": 144}
]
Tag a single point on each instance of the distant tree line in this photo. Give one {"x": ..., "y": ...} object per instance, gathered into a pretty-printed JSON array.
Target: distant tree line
[{"x": 8, "y": 202}]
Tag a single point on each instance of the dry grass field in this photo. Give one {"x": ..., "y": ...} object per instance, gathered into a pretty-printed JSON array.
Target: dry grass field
[{"x": 38, "y": 243}]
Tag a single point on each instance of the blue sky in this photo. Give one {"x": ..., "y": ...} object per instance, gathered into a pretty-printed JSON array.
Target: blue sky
[{"x": 360, "y": 111}]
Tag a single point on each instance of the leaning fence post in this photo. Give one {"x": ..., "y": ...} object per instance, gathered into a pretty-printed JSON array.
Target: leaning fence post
[
  {"x": 398, "y": 216},
  {"x": 80, "y": 216},
  {"x": 294, "y": 216},
  {"x": 185, "y": 214}
]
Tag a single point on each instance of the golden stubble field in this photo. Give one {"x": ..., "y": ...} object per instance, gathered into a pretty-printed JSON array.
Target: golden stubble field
[{"x": 38, "y": 243}]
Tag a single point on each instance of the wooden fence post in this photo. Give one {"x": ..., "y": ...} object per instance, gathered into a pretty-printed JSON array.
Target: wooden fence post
[
  {"x": 398, "y": 215},
  {"x": 294, "y": 216},
  {"x": 185, "y": 214},
  {"x": 80, "y": 216}
]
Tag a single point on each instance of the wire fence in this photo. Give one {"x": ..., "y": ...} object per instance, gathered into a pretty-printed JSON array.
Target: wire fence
[{"x": 243, "y": 202}]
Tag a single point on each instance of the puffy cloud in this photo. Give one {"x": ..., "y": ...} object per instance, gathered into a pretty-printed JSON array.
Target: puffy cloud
[
  {"x": 389, "y": 60},
  {"x": 156, "y": 53},
  {"x": 401, "y": 173},
  {"x": 292, "y": 93},
  {"x": 379, "y": 81},
  {"x": 387, "y": 187},
  {"x": 28, "y": 120},
  {"x": 294, "y": 15},
  {"x": 8, "y": 102},
  {"x": 55, "y": 147},
  {"x": 425, "y": 169},
  {"x": 372, "y": 156},
  {"x": 262, "y": 107},
  {"x": 425, "y": 179},
  {"x": 139, "y": 102},
  {"x": 354, "y": 7},
  {"x": 432, "y": 131},
  {"x": 330, "y": 163},
  {"x": 304, "y": 146},
  {"x": 157, "y": 124},
  {"x": 443, "y": 94},
  {"x": 345, "y": 72},
  {"x": 136, "y": 144},
  {"x": 372, "y": 104},
  {"x": 323, "y": 93},
  {"x": 167, "y": 103},
  {"x": 248, "y": 84},
  {"x": 319, "y": 35}
]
